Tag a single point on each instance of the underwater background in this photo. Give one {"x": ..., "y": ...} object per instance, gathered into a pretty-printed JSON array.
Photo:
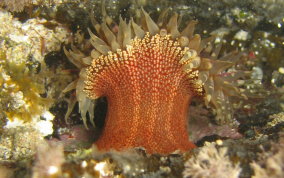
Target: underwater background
[{"x": 44, "y": 132}]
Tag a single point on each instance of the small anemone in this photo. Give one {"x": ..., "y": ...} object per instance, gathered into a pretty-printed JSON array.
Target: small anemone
[
  {"x": 86, "y": 105},
  {"x": 219, "y": 78}
]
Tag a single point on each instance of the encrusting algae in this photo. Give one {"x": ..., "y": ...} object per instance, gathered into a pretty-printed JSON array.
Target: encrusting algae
[
  {"x": 149, "y": 72},
  {"x": 25, "y": 88},
  {"x": 25, "y": 94}
]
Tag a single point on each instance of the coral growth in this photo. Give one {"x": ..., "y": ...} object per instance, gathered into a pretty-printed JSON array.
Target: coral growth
[
  {"x": 211, "y": 162},
  {"x": 275, "y": 119},
  {"x": 23, "y": 76},
  {"x": 24, "y": 96},
  {"x": 19, "y": 143},
  {"x": 131, "y": 163},
  {"x": 271, "y": 164}
]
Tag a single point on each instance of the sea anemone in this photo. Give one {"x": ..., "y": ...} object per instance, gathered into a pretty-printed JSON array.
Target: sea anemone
[{"x": 149, "y": 72}]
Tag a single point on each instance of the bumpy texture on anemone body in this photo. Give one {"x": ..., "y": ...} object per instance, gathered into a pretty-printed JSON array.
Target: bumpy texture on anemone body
[{"x": 149, "y": 73}]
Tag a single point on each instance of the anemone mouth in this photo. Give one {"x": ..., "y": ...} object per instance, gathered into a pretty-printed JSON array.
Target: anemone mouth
[{"x": 205, "y": 74}]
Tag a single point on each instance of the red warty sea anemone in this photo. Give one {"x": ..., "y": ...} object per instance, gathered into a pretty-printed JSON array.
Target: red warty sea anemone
[{"x": 149, "y": 71}]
